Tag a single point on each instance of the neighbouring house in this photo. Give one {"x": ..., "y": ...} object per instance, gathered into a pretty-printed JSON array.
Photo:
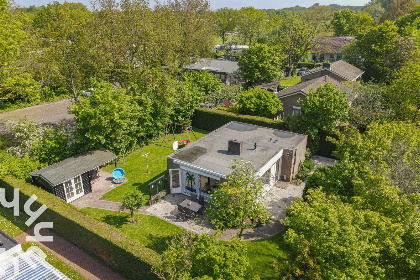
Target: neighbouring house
[
  {"x": 339, "y": 70},
  {"x": 225, "y": 70},
  {"x": 290, "y": 96},
  {"x": 231, "y": 48},
  {"x": 18, "y": 265},
  {"x": 329, "y": 48},
  {"x": 204, "y": 164},
  {"x": 71, "y": 178}
]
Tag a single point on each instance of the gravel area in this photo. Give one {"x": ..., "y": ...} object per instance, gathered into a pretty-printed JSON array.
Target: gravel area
[{"x": 47, "y": 113}]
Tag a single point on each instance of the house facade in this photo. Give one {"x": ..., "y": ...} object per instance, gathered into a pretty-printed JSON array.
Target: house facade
[
  {"x": 198, "y": 168},
  {"x": 71, "y": 178},
  {"x": 329, "y": 48}
]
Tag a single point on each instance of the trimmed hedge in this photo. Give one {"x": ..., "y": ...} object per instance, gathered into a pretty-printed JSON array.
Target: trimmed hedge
[
  {"x": 211, "y": 119},
  {"x": 94, "y": 237}
]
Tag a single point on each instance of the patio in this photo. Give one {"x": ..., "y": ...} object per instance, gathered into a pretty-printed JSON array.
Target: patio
[{"x": 279, "y": 197}]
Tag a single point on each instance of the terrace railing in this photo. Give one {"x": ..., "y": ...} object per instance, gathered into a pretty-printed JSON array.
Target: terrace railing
[{"x": 158, "y": 188}]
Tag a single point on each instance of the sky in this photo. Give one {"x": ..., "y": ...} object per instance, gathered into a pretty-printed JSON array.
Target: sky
[{"x": 237, "y": 4}]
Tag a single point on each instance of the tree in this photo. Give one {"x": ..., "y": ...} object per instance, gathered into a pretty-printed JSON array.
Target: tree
[
  {"x": 226, "y": 20},
  {"x": 258, "y": 102},
  {"x": 391, "y": 149},
  {"x": 133, "y": 201},
  {"x": 238, "y": 202},
  {"x": 343, "y": 240},
  {"x": 409, "y": 25},
  {"x": 65, "y": 47},
  {"x": 203, "y": 80},
  {"x": 375, "y": 10},
  {"x": 320, "y": 18},
  {"x": 109, "y": 118},
  {"x": 404, "y": 92},
  {"x": 298, "y": 41},
  {"x": 348, "y": 23},
  {"x": 203, "y": 257},
  {"x": 251, "y": 23},
  {"x": 369, "y": 104},
  {"x": 398, "y": 8},
  {"x": 322, "y": 110},
  {"x": 261, "y": 63}
]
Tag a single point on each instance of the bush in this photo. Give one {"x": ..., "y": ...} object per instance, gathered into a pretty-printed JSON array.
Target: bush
[
  {"x": 94, "y": 237},
  {"x": 211, "y": 119},
  {"x": 258, "y": 102},
  {"x": 305, "y": 167}
]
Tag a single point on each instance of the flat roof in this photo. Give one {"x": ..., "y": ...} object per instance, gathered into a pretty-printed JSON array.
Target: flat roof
[
  {"x": 211, "y": 151},
  {"x": 64, "y": 170},
  {"x": 7, "y": 240}
]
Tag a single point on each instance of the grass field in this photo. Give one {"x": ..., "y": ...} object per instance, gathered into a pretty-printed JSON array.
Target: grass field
[
  {"x": 134, "y": 165},
  {"x": 265, "y": 256},
  {"x": 10, "y": 224}
]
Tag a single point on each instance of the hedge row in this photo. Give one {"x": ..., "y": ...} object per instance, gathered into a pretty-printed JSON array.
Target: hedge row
[
  {"x": 96, "y": 238},
  {"x": 211, "y": 119},
  {"x": 309, "y": 65}
]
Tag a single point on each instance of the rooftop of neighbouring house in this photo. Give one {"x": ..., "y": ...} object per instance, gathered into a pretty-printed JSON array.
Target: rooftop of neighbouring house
[
  {"x": 211, "y": 151},
  {"x": 313, "y": 84},
  {"x": 215, "y": 65},
  {"x": 341, "y": 68},
  {"x": 69, "y": 168},
  {"x": 331, "y": 44}
]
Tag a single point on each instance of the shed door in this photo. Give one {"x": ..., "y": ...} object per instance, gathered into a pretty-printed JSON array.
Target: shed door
[
  {"x": 74, "y": 189},
  {"x": 175, "y": 180}
]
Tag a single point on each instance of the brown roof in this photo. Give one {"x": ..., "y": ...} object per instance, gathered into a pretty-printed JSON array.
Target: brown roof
[
  {"x": 340, "y": 68},
  {"x": 331, "y": 44},
  {"x": 305, "y": 87}
]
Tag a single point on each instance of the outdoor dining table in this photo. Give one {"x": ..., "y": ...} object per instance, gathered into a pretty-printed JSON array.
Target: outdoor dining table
[{"x": 189, "y": 207}]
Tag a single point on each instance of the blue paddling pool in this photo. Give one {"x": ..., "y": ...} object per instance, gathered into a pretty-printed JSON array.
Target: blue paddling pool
[{"x": 118, "y": 175}]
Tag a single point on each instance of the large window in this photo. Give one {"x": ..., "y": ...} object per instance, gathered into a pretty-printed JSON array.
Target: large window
[
  {"x": 78, "y": 185},
  {"x": 297, "y": 110},
  {"x": 207, "y": 184},
  {"x": 69, "y": 189}
]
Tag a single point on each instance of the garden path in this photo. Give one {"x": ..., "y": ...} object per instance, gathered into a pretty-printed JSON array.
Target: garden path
[{"x": 76, "y": 258}]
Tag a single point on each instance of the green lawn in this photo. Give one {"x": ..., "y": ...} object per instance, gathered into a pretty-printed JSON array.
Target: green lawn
[
  {"x": 267, "y": 256},
  {"x": 10, "y": 224},
  {"x": 150, "y": 231},
  {"x": 287, "y": 82},
  {"x": 134, "y": 165},
  {"x": 57, "y": 263}
]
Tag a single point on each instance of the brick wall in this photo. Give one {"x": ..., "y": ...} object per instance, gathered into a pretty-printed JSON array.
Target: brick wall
[
  {"x": 289, "y": 102},
  {"x": 291, "y": 159}
]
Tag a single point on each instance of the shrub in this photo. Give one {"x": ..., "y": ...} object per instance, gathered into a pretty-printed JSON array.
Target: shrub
[
  {"x": 305, "y": 167},
  {"x": 258, "y": 102}
]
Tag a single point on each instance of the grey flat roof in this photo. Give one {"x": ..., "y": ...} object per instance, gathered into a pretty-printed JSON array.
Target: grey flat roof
[
  {"x": 64, "y": 170},
  {"x": 8, "y": 241},
  {"x": 211, "y": 151},
  {"x": 215, "y": 65}
]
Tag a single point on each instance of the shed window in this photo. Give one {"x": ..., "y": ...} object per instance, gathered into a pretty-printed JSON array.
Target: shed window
[{"x": 69, "y": 189}]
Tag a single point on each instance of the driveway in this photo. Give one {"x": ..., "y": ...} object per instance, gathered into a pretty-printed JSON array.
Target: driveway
[{"x": 47, "y": 113}]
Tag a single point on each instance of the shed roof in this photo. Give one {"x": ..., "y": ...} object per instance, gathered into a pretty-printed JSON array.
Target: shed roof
[
  {"x": 211, "y": 151},
  {"x": 28, "y": 265},
  {"x": 305, "y": 87},
  {"x": 331, "y": 44},
  {"x": 215, "y": 65},
  {"x": 64, "y": 170},
  {"x": 340, "y": 68}
]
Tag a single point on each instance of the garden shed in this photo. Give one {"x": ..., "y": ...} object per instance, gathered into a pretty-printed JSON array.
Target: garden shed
[
  {"x": 71, "y": 178},
  {"x": 204, "y": 164}
]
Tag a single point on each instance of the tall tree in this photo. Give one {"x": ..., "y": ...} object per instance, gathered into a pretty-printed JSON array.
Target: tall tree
[
  {"x": 398, "y": 8},
  {"x": 251, "y": 24},
  {"x": 298, "y": 41},
  {"x": 348, "y": 23},
  {"x": 258, "y": 102},
  {"x": 261, "y": 63},
  {"x": 226, "y": 21},
  {"x": 63, "y": 27}
]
